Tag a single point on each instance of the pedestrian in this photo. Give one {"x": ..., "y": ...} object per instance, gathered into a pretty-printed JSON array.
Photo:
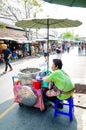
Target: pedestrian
[
  {"x": 14, "y": 54},
  {"x": 79, "y": 48},
  {"x": 32, "y": 51},
  {"x": 59, "y": 50},
  {"x": 85, "y": 48},
  {"x": 62, "y": 87},
  {"x": 40, "y": 49},
  {"x": 6, "y": 56},
  {"x": 46, "y": 51},
  {"x": 68, "y": 47}
]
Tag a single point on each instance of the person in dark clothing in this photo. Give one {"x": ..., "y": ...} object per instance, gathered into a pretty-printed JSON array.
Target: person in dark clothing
[{"x": 6, "y": 56}]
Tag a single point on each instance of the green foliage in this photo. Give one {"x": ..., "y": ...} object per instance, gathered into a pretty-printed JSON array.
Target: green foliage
[
  {"x": 67, "y": 35},
  {"x": 2, "y": 26},
  {"x": 77, "y": 38},
  {"x": 35, "y": 2},
  {"x": 25, "y": 1},
  {"x": 32, "y": 2}
]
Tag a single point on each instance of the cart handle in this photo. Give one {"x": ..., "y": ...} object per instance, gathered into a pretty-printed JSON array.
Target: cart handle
[{"x": 14, "y": 77}]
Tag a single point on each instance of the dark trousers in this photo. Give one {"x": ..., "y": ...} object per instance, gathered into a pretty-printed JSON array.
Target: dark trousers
[
  {"x": 51, "y": 99},
  {"x": 46, "y": 98},
  {"x": 7, "y": 64}
]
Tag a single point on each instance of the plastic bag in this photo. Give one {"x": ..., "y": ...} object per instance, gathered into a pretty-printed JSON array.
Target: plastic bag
[{"x": 27, "y": 96}]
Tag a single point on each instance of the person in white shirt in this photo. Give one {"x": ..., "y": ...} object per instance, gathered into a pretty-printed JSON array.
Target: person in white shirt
[
  {"x": 45, "y": 50},
  {"x": 32, "y": 51},
  {"x": 59, "y": 51}
]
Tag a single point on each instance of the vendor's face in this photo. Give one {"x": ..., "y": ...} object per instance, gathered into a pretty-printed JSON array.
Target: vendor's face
[{"x": 54, "y": 67}]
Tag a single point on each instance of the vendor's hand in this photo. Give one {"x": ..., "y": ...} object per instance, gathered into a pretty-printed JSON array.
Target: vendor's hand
[
  {"x": 49, "y": 87},
  {"x": 46, "y": 79},
  {"x": 51, "y": 93}
]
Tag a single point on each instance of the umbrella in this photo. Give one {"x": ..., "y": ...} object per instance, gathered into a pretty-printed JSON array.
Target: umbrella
[
  {"x": 48, "y": 23},
  {"x": 71, "y": 3}
]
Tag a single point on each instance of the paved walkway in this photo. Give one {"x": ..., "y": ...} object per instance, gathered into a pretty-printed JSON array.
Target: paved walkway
[
  {"x": 14, "y": 118},
  {"x": 73, "y": 64}
]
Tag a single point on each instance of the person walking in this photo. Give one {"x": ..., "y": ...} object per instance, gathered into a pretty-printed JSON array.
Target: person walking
[
  {"x": 32, "y": 51},
  {"x": 59, "y": 51},
  {"x": 46, "y": 51},
  {"x": 79, "y": 48},
  {"x": 6, "y": 56}
]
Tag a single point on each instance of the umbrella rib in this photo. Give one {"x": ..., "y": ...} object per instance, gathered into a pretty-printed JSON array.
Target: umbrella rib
[
  {"x": 30, "y": 25},
  {"x": 40, "y": 23},
  {"x": 25, "y": 25},
  {"x": 63, "y": 24},
  {"x": 67, "y": 25},
  {"x": 58, "y": 22}
]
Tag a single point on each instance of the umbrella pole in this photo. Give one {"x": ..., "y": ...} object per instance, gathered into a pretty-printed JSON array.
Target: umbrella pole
[{"x": 48, "y": 44}]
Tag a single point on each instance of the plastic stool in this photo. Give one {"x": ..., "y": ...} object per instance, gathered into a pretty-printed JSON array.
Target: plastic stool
[{"x": 70, "y": 105}]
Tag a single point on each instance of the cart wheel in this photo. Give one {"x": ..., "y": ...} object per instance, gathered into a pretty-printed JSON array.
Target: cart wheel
[{"x": 20, "y": 104}]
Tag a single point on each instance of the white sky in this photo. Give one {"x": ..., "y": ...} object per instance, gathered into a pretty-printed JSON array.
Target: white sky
[{"x": 74, "y": 13}]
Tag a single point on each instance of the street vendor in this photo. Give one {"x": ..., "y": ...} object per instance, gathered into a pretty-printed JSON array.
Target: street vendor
[{"x": 62, "y": 87}]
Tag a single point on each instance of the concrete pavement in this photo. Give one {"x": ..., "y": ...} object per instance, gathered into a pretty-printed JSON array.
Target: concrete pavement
[
  {"x": 73, "y": 64},
  {"x": 15, "y": 118}
]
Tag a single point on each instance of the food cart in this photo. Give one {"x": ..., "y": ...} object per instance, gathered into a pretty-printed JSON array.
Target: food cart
[{"x": 27, "y": 88}]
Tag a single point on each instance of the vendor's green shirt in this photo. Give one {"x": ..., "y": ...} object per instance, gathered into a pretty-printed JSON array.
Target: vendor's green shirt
[{"x": 62, "y": 81}]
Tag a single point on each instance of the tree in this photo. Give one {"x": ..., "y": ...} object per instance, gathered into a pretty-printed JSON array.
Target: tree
[
  {"x": 77, "y": 38},
  {"x": 2, "y": 25},
  {"x": 16, "y": 10},
  {"x": 67, "y": 35}
]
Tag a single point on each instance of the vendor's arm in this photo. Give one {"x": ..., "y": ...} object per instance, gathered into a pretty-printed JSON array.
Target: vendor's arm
[
  {"x": 46, "y": 79},
  {"x": 49, "y": 78}
]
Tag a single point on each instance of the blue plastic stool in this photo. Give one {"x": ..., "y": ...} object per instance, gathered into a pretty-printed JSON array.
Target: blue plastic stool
[{"x": 70, "y": 104}]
